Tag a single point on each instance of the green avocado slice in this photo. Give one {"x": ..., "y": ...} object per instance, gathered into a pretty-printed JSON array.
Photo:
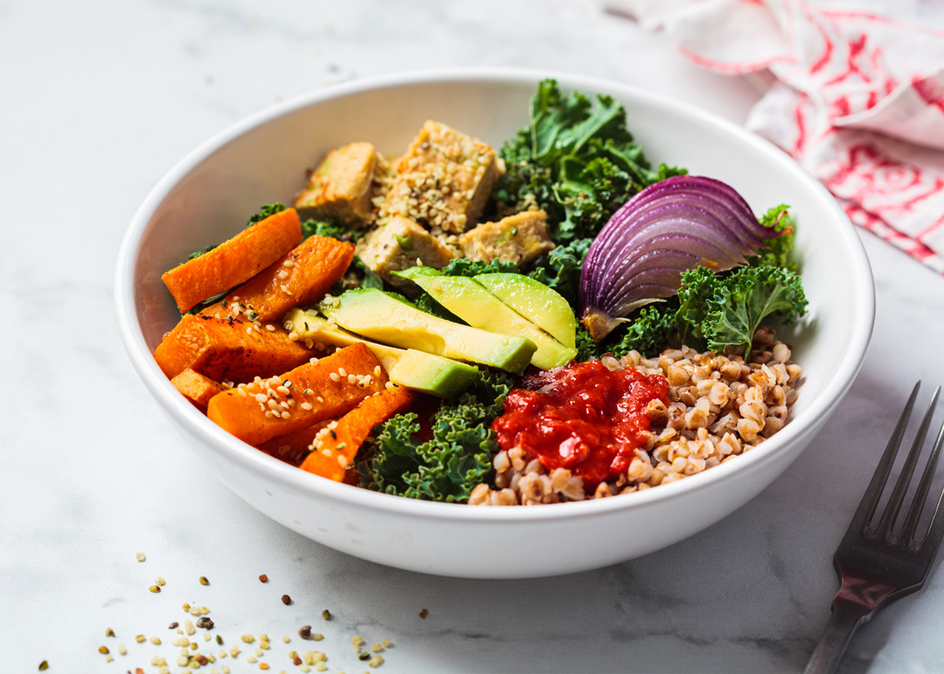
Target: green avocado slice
[
  {"x": 438, "y": 376},
  {"x": 543, "y": 306},
  {"x": 376, "y": 315},
  {"x": 471, "y": 302}
]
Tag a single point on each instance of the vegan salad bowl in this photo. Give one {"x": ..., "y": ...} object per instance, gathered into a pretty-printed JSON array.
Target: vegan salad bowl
[{"x": 563, "y": 296}]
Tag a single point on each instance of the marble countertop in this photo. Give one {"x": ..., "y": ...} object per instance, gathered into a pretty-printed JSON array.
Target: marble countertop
[{"x": 100, "y": 99}]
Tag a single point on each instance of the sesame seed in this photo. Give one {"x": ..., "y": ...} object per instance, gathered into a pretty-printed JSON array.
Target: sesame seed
[
  {"x": 139, "y": 556},
  {"x": 286, "y": 639},
  {"x": 122, "y": 649},
  {"x": 103, "y": 650},
  {"x": 156, "y": 641},
  {"x": 270, "y": 327},
  {"x": 140, "y": 638},
  {"x": 334, "y": 376},
  {"x": 306, "y": 406},
  {"x": 248, "y": 638},
  {"x": 286, "y": 415},
  {"x": 288, "y": 263},
  {"x": 342, "y": 460},
  {"x": 293, "y": 336},
  {"x": 352, "y": 379},
  {"x": 342, "y": 372},
  {"x": 160, "y": 581},
  {"x": 154, "y": 588}
]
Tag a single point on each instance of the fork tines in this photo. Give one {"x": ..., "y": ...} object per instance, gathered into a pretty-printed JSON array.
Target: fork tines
[{"x": 909, "y": 533}]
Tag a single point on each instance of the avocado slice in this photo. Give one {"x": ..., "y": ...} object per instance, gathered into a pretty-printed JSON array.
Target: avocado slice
[
  {"x": 374, "y": 314},
  {"x": 471, "y": 302},
  {"x": 438, "y": 376},
  {"x": 541, "y": 305}
]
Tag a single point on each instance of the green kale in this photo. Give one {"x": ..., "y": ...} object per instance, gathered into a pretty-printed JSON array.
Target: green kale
[
  {"x": 325, "y": 228},
  {"x": 777, "y": 252},
  {"x": 466, "y": 267},
  {"x": 647, "y": 331},
  {"x": 197, "y": 253},
  {"x": 724, "y": 310},
  {"x": 265, "y": 212},
  {"x": 457, "y": 457},
  {"x": 560, "y": 269},
  {"x": 576, "y": 160}
]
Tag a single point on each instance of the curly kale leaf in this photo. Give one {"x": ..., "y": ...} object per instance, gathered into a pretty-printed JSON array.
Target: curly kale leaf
[
  {"x": 725, "y": 310},
  {"x": 560, "y": 269},
  {"x": 324, "y": 228},
  {"x": 576, "y": 160},
  {"x": 648, "y": 330},
  {"x": 466, "y": 267},
  {"x": 777, "y": 252},
  {"x": 265, "y": 212},
  {"x": 457, "y": 457}
]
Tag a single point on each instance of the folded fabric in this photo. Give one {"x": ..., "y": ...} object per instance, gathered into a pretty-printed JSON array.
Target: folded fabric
[{"x": 857, "y": 97}]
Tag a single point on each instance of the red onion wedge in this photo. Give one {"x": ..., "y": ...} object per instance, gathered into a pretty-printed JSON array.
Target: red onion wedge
[{"x": 671, "y": 226}]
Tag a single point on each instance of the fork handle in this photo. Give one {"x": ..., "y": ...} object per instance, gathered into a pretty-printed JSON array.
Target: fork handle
[{"x": 832, "y": 644}]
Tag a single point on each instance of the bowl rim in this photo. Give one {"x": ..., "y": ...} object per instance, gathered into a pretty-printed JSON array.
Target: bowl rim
[{"x": 292, "y": 479}]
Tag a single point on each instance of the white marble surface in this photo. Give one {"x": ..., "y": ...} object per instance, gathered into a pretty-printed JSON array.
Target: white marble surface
[{"x": 98, "y": 100}]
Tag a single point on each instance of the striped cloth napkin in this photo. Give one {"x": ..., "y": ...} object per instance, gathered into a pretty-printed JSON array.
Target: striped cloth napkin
[{"x": 856, "y": 96}]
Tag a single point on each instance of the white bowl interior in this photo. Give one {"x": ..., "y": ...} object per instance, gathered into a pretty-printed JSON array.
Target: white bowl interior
[{"x": 210, "y": 194}]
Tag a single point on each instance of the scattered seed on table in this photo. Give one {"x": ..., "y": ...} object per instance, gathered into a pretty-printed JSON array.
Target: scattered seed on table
[
  {"x": 160, "y": 581},
  {"x": 286, "y": 639},
  {"x": 424, "y": 613},
  {"x": 364, "y": 655},
  {"x": 204, "y": 581},
  {"x": 286, "y": 599},
  {"x": 305, "y": 631},
  {"x": 326, "y": 614},
  {"x": 205, "y": 623},
  {"x": 109, "y": 632},
  {"x": 140, "y": 557},
  {"x": 376, "y": 661},
  {"x": 122, "y": 649},
  {"x": 154, "y": 588},
  {"x": 219, "y": 640},
  {"x": 140, "y": 638},
  {"x": 174, "y": 625},
  {"x": 43, "y": 666},
  {"x": 263, "y": 578},
  {"x": 156, "y": 641},
  {"x": 103, "y": 650}
]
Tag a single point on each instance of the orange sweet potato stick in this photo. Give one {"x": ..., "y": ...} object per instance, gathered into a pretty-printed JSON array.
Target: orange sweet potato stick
[
  {"x": 336, "y": 445},
  {"x": 196, "y": 387},
  {"x": 300, "y": 277},
  {"x": 227, "y": 350},
  {"x": 293, "y": 447},
  {"x": 234, "y": 261},
  {"x": 318, "y": 390}
]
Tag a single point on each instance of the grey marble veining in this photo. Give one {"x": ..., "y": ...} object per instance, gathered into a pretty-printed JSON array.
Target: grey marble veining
[{"x": 98, "y": 100}]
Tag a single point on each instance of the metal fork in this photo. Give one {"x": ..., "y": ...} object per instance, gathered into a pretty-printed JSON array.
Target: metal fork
[{"x": 878, "y": 564}]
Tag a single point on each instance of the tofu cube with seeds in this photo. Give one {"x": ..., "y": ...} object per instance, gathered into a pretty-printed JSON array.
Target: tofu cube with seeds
[
  {"x": 341, "y": 187},
  {"x": 519, "y": 238},
  {"x": 397, "y": 245},
  {"x": 444, "y": 179}
]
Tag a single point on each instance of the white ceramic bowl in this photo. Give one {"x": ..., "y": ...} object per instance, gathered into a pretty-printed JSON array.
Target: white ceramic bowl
[{"x": 208, "y": 196}]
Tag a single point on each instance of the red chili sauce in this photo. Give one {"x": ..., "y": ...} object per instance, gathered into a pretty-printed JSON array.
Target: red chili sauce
[{"x": 581, "y": 416}]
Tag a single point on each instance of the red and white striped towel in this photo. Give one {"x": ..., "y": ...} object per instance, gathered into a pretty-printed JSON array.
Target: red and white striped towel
[{"x": 857, "y": 97}]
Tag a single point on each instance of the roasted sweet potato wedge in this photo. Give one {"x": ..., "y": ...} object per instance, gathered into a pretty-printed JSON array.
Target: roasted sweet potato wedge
[
  {"x": 227, "y": 350},
  {"x": 234, "y": 261},
  {"x": 300, "y": 277},
  {"x": 318, "y": 390},
  {"x": 336, "y": 445}
]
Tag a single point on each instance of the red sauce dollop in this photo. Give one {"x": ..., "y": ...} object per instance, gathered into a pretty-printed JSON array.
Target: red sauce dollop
[{"x": 581, "y": 416}]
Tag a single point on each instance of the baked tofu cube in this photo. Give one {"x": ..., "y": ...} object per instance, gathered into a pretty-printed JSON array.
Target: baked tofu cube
[
  {"x": 341, "y": 186},
  {"x": 400, "y": 244},
  {"x": 519, "y": 238},
  {"x": 444, "y": 179}
]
